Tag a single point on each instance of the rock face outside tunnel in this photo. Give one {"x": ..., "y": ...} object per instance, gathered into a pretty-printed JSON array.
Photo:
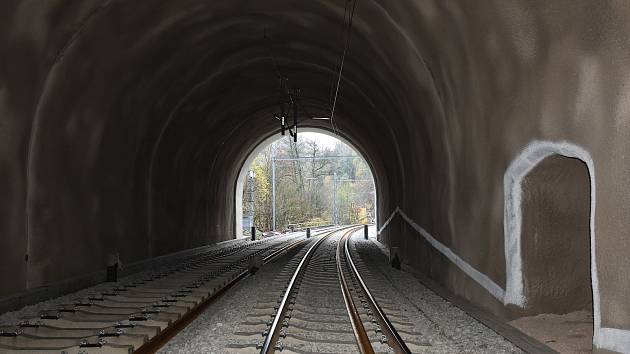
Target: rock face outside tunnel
[{"x": 123, "y": 124}]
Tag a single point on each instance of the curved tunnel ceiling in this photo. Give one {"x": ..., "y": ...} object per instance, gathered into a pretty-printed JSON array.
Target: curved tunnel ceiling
[
  {"x": 193, "y": 89},
  {"x": 126, "y": 122}
]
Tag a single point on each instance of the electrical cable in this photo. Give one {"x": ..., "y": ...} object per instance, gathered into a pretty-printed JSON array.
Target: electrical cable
[
  {"x": 336, "y": 68},
  {"x": 288, "y": 95},
  {"x": 273, "y": 58},
  {"x": 343, "y": 58}
]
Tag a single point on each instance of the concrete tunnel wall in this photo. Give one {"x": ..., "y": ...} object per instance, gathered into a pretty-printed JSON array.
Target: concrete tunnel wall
[{"x": 123, "y": 124}]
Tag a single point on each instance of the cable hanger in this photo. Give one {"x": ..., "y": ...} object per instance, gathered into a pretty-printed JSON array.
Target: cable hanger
[{"x": 288, "y": 99}]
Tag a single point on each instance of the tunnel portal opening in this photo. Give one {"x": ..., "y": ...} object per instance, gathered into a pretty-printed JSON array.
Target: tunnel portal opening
[
  {"x": 556, "y": 253},
  {"x": 322, "y": 179}
]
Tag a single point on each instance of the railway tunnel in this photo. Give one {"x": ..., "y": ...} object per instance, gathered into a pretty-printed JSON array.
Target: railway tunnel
[{"x": 496, "y": 132}]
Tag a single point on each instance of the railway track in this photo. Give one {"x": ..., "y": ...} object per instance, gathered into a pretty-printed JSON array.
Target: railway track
[
  {"x": 426, "y": 322},
  {"x": 357, "y": 293},
  {"x": 330, "y": 294},
  {"x": 323, "y": 306},
  {"x": 140, "y": 315}
]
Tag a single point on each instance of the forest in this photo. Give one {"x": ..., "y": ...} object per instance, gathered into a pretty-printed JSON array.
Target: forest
[{"x": 315, "y": 184}]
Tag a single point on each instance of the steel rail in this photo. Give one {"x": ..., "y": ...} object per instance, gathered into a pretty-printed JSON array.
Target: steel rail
[
  {"x": 387, "y": 328},
  {"x": 363, "y": 341},
  {"x": 274, "y": 329},
  {"x": 165, "y": 336}
]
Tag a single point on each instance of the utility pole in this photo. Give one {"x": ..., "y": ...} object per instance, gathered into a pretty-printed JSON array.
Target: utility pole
[
  {"x": 273, "y": 187},
  {"x": 250, "y": 197},
  {"x": 273, "y": 178},
  {"x": 334, "y": 208},
  {"x": 335, "y": 214},
  {"x": 374, "y": 205}
]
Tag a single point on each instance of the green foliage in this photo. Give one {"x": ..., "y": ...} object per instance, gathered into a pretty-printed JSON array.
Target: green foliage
[{"x": 306, "y": 190}]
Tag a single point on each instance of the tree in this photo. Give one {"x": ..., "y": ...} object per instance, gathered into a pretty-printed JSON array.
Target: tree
[{"x": 305, "y": 188}]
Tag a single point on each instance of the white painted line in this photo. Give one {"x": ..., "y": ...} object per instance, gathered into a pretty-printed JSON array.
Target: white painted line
[
  {"x": 482, "y": 279},
  {"x": 389, "y": 219},
  {"x": 617, "y": 340},
  {"x": 479, "y": 277}
]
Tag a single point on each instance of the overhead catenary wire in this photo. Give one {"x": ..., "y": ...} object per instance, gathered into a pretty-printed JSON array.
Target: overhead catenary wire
[
  {"x": 336, "y": 68},
  {"x": 287, "y": 94},
  {"x": 273, "y": 58},
  {"x": 343, "y": 58}
]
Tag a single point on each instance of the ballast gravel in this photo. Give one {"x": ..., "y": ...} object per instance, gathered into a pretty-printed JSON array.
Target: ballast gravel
[
  {"x": 453, "y": 329},
  {"x": 447, "y": 328},
  {"x": 13, "y": 317},
  {"x": 213, "y": 330}
]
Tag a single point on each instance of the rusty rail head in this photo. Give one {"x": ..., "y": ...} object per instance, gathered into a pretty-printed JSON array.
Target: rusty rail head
[
  {"x": 165, "y": 336},
  {"x": 388, "y": 329},
  {"x": 363, "y": 341},
  {"x": 274, "y": 329}
]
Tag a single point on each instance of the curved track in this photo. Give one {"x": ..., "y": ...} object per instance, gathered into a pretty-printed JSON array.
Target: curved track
[
  {"x": 140, "y": 316},
  {"x": 377, "y": 315},
  {"x": 327, "y": 307},
  {"x": 320, "y": 302}
]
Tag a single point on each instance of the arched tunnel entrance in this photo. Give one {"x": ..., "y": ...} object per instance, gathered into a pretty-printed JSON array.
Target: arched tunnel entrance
[{"x": 327, "y": 141}]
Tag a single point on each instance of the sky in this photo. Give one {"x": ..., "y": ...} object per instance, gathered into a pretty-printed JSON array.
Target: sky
[{"x": 321, "y": 139}]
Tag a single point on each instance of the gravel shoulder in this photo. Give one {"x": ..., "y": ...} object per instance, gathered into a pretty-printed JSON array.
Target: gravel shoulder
[
  {"x": 434, "y": 325},
  {"x": 213, "y": 330},
  {"x": 450, "y": 329}
]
